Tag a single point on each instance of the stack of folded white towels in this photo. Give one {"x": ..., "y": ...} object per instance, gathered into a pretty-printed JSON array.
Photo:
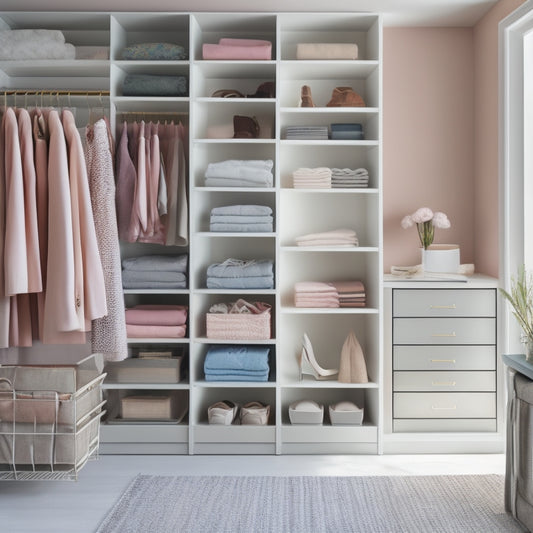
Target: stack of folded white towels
[
  {"x": 240, "y": 173},
  {"x": 347, "y": 178},
  {"x": 312, "y": 178},
  {"x": 242, "y": 218},
  {"x": 338, "y": 237},
  {"x": 34, "y": 44}
]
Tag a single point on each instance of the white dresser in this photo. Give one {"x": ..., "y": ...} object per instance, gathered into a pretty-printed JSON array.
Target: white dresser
[{"x": 442, "y": 370}]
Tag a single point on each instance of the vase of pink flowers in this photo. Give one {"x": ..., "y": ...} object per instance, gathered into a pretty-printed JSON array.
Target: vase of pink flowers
[{"x": 435, "y": 257}]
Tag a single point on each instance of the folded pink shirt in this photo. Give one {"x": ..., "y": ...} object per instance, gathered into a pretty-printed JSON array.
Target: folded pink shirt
[
  {"x": 142, "y": 331},
  {"x": 157, "y": 315},
  {"x": 227, "y": 48}
]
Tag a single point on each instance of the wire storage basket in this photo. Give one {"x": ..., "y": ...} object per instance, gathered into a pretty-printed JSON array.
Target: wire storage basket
[{"x": 50, "y": 418}]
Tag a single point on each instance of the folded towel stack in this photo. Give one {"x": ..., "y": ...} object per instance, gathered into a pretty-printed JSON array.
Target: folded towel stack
[
  {"x": 241, "y": 274},
  {"x": 227, "y": 48},
  {"x": 240, "y": 173},
  {"x": 351, "y": 293},
  {"x": 337, "y": 237},
  {"x": 347, "y": 132},
  {"x": 315, "y": 294},
  {"x": 242, "y": 218},
  {"x": 156, "y": 321},
  {"x": 154, "y": 52},
  {"x": 34, "y": 44},
  {"x": 155, "y": 85},
  {"x": 237, "y": 363},
  {"x": 333, "y": 294},
  {"x": 155, "y": 272},
  {"x": 346, "y": 178},
  {"x": 312, "y": 178},
  {"x": 311, "y": 133}
]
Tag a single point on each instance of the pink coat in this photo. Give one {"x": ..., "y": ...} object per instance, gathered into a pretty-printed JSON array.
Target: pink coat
[
  {"x": 89, "y": 276},
  {"x": 4, "y": 300},
  {"x": 60, "y": 309},
  {"x": 15, "y": 249}
]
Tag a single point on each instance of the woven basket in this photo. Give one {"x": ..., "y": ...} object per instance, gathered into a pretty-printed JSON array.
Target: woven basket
[{"x": 237, "y": 327}]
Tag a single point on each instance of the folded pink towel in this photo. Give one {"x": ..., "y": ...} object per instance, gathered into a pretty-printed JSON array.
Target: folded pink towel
[
  {"x": 157, "y": 315},
  {"x": 321, "y": 302},
  {"x": 315, "y": 287},
  {"x": 138, "y": 331},
  {"x": 251, "y": 49}
]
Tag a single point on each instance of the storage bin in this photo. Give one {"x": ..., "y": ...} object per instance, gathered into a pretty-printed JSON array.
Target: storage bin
[
  {"x": 49, "y": 418},
  {"x": 147, "y": 407},
  {"x": 164, "y": 370},
  {"x": 239, "y": 326}
]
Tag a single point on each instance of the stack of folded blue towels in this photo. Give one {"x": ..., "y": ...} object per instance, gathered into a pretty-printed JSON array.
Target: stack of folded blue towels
[
  {"x": 242, "y": 218},
  {"x": 241, "y": 274},
  {"x": 237, "y": 363},
  {"x": 155, "y": 272}
]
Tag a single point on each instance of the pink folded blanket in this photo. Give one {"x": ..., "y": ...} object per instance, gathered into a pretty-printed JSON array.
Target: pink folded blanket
[
  {"x": 251, "y": 49},
  {"x": 141, "y": 331},
  {"x": 157, "y": 315}
]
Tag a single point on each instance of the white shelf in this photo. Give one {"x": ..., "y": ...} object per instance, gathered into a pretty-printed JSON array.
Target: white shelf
[
  {"x": 310, "y": 383},
  {"x": 36, "y": 68},
  {"x": 293, "y": 215},
  {"x": 150, "y": 340},
  {"x": 344, "y": 249},
  {"x": 146, "y": 386},
  {"x": 156, "y": 291},
  {"x": 330, "y": 311}
]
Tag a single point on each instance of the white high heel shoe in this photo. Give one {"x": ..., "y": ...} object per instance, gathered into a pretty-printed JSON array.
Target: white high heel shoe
[{"x": 309, "y": 365}]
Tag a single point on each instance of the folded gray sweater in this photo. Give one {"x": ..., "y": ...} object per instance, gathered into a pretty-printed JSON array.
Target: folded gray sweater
[{"x": 237, "y": 268}]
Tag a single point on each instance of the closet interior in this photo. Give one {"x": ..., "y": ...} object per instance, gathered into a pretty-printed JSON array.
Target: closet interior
[{"x": 159, "y": 398}]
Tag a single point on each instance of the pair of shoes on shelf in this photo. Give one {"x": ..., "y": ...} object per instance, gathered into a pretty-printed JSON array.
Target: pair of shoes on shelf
[
  {"x": 309, "y": 365},
  {"x": 245, "y": 127},
  {"x": 265, "y": 90},
  {"x": 311, "y": 412},
  {"x": 341, "y": 97},
  {"x": 227, "y": 412}
]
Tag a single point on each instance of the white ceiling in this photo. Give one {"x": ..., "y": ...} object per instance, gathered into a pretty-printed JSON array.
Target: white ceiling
[{"x": 395, "y": 12}]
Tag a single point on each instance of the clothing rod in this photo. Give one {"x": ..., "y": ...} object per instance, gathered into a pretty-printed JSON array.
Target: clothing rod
[
  {"x": 158, "y": 113},
  {"x": 51, "y": 92}
]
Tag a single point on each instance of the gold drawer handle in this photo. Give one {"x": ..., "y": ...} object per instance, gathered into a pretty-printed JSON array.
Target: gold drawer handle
[
  {"x": 436, "y": 408},
  {"x": 452, "y": 334},
  {"x": 443, "y": 383},
  {"x": 443, "y": 361},
  {"x": 453, "y": 306}
]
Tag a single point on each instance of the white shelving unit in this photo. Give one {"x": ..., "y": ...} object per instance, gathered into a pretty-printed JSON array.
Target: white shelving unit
[{"x": 296, "y": 211}]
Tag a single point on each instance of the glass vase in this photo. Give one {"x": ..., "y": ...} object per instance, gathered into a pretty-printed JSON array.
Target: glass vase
[{"x": 528, "y": 348}]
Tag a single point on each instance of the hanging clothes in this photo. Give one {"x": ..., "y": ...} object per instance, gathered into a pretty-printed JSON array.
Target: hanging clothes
[
  {"x": 4, "y": 299},
  {"x": 108, "y": 333},
  {"x": 152, "y": 177}
]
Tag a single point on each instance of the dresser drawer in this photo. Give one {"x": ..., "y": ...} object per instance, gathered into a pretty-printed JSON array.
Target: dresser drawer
[
  {"x": 444, "y": 405},
  {"x": 444, "y": 303},
  {"x": 445, "y": 381},
  {"x": 444, "y": 331},
  {"x": 444, "y": 357}
]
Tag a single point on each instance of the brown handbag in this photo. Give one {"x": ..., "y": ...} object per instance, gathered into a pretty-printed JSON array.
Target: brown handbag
[
  {"x": 245, "y": 127},
  {"x": 345, "y": 97}
]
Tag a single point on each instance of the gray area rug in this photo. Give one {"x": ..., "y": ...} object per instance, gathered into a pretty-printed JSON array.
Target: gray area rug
[{"x": 458, "y": 504}]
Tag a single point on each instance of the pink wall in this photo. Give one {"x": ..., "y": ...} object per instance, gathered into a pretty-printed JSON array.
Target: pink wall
[
  {"x": 486, "y": 138},
  {"x": 428, "y": 136}
]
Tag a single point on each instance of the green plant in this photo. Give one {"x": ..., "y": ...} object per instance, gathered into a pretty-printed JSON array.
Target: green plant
[{"x": 521, "y": 299}]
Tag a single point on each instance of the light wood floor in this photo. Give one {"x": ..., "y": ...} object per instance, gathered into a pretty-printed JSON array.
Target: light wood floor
[{"x": 79, "y": 506}]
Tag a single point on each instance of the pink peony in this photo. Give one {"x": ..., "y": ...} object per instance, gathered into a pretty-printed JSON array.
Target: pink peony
[
  {"x": 421, "y": 215},
  {"x": 440, "y": 220},
  {"x": 407, "y": 222}
]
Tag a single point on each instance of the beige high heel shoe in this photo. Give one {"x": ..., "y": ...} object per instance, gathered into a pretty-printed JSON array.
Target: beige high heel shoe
[{"x": 309, "y": 365}]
